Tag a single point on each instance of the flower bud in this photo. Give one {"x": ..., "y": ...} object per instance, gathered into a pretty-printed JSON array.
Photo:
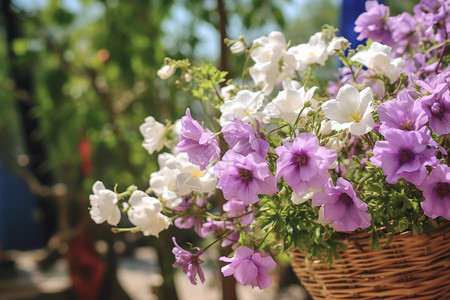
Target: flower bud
[{"x": 165, "y": 72}]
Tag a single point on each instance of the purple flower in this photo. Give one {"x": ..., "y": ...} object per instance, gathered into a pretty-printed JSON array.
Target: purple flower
[
  {"x": 188, "y": 201},
  {"x": 437, "y": 103},
  {"x": 244, "y": 177},
  {"x": 404, "y": 155},
  {"x": 241, "y": 138},
  {"x": 372, "y": 23},
  {"x": 236, "y": 207},
  {"x": 304, "y": 164},
  {"x": 188, "y": 221},
  {"x": 417, "y": 66},
  {"x": 429, "y": 13},
  {"x": 201, "y": 146},
  {"x": 188, "y": 262},
  {"x": 249, "y": 268},
  {"x": 364, "y": 77},
  {"x": 436, "y": 190},
  {"x": 341, "y": 206},
  {"x": 404, "y": 33},
  {"x": 232, "y": 239},
  {"x": 403, "y": 113},
  {"x": 211, "y": 225}
]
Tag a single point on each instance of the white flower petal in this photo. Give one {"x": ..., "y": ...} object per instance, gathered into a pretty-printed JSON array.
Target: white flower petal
[{"x": 97, "y": 187}]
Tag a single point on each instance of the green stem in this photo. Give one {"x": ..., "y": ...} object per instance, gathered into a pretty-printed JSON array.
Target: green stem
[
  {"x": 367, "y": 176},
  {"x": 369, "y": 140},
  {"x": 244, "y": 69},
  {"x": 205, "y": 113},
  {"x": 346, "y": 62},
  {"x": 278, "y": 128},
  {"x": 447, "y": 42},
  {"x": 297, "y": 120},
  {"x": 131, "y": 229},
  {"x": 221, "y": 237},
  {"x": 266, "y": 236},
  {"x": 308, "y": 75}
]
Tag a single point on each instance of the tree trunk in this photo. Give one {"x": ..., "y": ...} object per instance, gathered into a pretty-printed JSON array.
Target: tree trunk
[{"x": 223, "y": 34}]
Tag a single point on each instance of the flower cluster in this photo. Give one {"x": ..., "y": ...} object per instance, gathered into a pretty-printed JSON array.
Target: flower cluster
[{"x": 287, "y": 162}]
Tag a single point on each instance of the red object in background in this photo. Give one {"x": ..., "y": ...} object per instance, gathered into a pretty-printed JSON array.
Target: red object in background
[
  {"x": 84, "y": 150},
  {"x": 103, "y": 55},
  {"x": 87, "y": 269}
]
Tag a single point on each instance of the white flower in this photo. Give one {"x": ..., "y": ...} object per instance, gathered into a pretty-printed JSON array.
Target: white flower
[
  {"x": 165, "y": 72},
  {"x": 379, "y": 58},
  {"x": 178, "y": 177},
  {"x": 335, "y": 143},
  {"x": 177, "y": 129},
  {"x": 290, "y": 84},
  {"x": 154, "y": 135},
  {"x": 246, "y": 106},
  {"x": 162, "y": 183},
  {"x": 237, "y": 47},
  {"x": 315, "y": 51},
  {"x": 321, "y": 218},
  {"x": 103, "y": 205},
  {"x": 335, "y": 44},
  {"x": 288, "y": 104},
  {"x": 351, "y": 109},
  {"x": 325, "y": 127},
  {"x": 227, "y": 92},
  {"x": 272, "y": 63},
  {"x": 299, "y": 199},
  {"x": 187, "y": 77},
  {"x": 145, "y": 213}
]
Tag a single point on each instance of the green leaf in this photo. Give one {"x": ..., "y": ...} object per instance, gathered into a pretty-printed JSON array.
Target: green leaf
[{"x": 20, "y": 46}]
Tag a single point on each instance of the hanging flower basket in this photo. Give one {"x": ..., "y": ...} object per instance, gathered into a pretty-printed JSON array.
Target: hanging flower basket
[
  {"x": 411, "y": 267},
  {"x": 290, "y": 162}
]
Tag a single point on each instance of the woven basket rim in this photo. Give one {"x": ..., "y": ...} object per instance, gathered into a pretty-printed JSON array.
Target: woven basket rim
[
  {"x": 363, "y": 234},
  {"x": 412, "y": 266},
  {"x": 355, "y": 237}
]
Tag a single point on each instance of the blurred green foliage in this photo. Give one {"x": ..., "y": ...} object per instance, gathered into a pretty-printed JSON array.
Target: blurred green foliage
[{"x": 94, "y": 78}]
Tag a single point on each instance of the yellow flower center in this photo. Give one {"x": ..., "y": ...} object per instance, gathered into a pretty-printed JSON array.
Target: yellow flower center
[
  {"x": 355, "y": 116},
  {"x": 247, "y": 112},
  {"x": 197, "y": 173}
]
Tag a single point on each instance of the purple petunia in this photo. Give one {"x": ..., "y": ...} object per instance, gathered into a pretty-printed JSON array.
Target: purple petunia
[
  {"x": 403, "y": 113},
  {"x": 429, "y": 13},
  {"x": 436, "y": 103},
  {"x": 404, "y": 155},
  {"x": 372, "y": 23},
  {"x": 188, "y": 262},
  {"x": 436, "y": 191},
  {"x": 248, "y": 267},
  {"x": 241, "y": 138},
  {"x": 304, "y": 164},
  {"x": 201, "y": 146},
  {"x": 404, "y": 33},
  {"x": 236, "y": 207},
  {"x": 213, "y": 225},
  {"x": 232, "y": 239},
  {"x": 244, "y": 177},
  {"x": 187, "y": 222},
  {"x": 341, "y": 206}
]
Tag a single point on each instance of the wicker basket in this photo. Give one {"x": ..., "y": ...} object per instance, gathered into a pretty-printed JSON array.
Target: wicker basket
[{"x": 412, "y": 267}]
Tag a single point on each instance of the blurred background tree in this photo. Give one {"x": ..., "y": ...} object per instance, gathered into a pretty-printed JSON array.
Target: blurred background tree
[{"x": 78, "y": 77}]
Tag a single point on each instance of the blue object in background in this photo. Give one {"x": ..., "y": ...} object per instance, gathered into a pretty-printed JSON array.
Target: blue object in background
[
  {"x": 350, "y": 11},
  {"x": 19, "y": 230}
]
